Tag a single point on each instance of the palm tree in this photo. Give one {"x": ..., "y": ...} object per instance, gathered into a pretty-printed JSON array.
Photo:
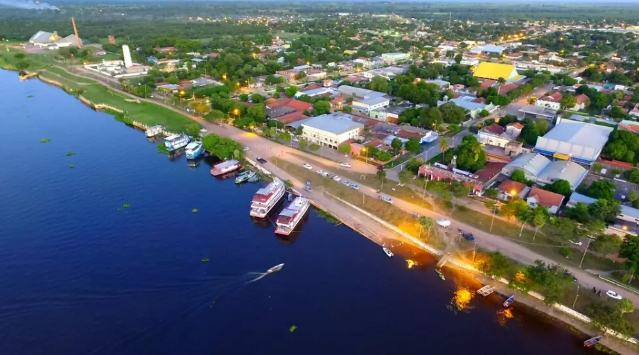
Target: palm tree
[
  {"x": 501, "y": 82},
  {"x": 443, "y": 145},
  {"x": 476, "y": 149}
]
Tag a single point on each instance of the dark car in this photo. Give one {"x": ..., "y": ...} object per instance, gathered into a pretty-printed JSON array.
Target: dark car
[
  {"x": 467, "y": 236},
  {"x": 261, "y": 160}
]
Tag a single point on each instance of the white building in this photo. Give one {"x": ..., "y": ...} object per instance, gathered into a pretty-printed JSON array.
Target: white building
[
  {"x": 126, "y": 52},
  {"x": 371, "y": 103},
  {"x": 330, "y": 130},
  {"x": 550, "y": 101},
  {"x": 498, "y": 136}
]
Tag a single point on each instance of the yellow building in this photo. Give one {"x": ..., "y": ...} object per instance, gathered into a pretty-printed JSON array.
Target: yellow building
[{"x": 494, "y": 71}]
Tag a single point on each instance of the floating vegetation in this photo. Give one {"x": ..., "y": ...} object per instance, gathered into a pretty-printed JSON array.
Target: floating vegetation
[
  {"x": 292, "y": 328},
  {"x": 71, "y": 167},
  {"x": 126, "y": 205},
  {"x": 45, "y": 140},
  {"x": 162, "y": 149},
  {"x": 29, "y": 96},
  {"x": 70, "y": 154},
  {"x": 194, "y": 210},
  {"x": 205, "y": 260},
  {"x": 329, "y": 218}
]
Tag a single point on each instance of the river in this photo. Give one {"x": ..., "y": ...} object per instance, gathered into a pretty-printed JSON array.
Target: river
[{"x": 82, "y": 274}]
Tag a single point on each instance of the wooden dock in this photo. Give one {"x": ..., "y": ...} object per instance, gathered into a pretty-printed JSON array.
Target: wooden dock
[{"x": 486, "y": 290}]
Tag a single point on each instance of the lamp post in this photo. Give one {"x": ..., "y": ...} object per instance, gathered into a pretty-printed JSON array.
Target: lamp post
[
  {"x": 365, "y": 155},
  {"x": 493, "y": 221},
  {"x": 577, "y": 295},
  {"x": 585, "y": 251}
]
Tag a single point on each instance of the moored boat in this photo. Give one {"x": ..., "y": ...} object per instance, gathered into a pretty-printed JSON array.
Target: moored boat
[
  {"x": 224, "y": 167},
  {"x": 154, "y": 131},
  {"x": 266, "y": 198},
  {"x": 176, "y": 142},
  {"x": 509, "y": 301},
  {"x": 592, "y": 341},
  {"x": 441, "y": 276},
  {"x": 194, "y": 150},
  {"x": 388, "y": 252},
  {"x": 244, "y": 176},
  {"x": 275, "y": 268},
  {"x": 291, "y": 216}
]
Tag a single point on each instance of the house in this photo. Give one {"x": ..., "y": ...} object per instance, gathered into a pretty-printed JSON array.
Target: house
[
  {"x": 494, "y": 71},
  {"x": 627, "y": 125},
  {"x": 407, "y": 134},
  {"x": 575, "y": 141},
  {"x": 538, "y": 197},
  {"x": 330, "y": 130},
  {"x": 50, "y": 40},
  {"x": 538, "y": 112},
  {"x": 338, "y": 102},
  {"x": 550, "y": 101},
  {"x": 488, "y": 49},
  {"x": 392, "y": 58},
  {"x": 371, "y": 103},
  {"x": 582, "y": 102},
  {"x": 510, "y": 189},
  {"x": 496, "y": 135},
  {"x": 327, "y": 83},
  {"x": 288, "y": 110},
  {"x": 165, "y": 49},
  {"x": 313, "y": 92},
  {"x": 635, "y": 111},
  {"x": 477, "y": 181},
  {"x": 467, "y": 102}
]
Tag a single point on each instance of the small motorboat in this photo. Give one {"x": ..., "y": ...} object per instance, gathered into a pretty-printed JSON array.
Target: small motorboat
[
  {"x": 244, "y": 176},
  {"x": 509, "y": 301},
  {"x": 592, "y": 341},
  {"x": 441, "y": 276},
  {"x": 254, "y": 178},
  {"x": 275, "y": 268},
  {"x": 388, "y": 252}
]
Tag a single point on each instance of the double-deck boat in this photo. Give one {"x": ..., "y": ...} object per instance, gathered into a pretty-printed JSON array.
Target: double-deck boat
[
  {"x": 292, "y": 215},
  {"x": 154, "y": 131},
  {"x": 176, "y": 142},
  {"x": 225, "y": 167},
  {"x": 267, "y": 197},
  {"x": 194, "y": 150}
]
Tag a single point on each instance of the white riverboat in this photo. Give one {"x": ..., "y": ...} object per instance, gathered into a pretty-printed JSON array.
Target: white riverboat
[
  {"x": 267, "y": 197},
  {"x": 225, "y": 167},
  {"x": 292, "y": 215},
  {"x": 176, "y": 142},
  {"x": 154, "y": 131},
  {"x": 194, "y": 150}
]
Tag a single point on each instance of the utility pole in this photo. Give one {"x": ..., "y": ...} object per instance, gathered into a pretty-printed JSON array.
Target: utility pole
[
  {"x": 577, "y": 295},
  {"x": 493, "y": 221},
  {"x": 585, "y": 251}
]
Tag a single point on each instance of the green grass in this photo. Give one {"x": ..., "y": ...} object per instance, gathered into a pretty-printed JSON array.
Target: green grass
[
  {"x": 398, "y": 161},
  {"x": 436, "y": 159},
  {"x": 35, "y": 61},
  {"x": 69, "y": 84},
  {"x": 78, "y": 79}
]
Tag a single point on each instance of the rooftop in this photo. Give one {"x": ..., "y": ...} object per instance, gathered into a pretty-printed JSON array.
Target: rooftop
[
  {"x": 545, "y": 198},
  {"x": 509, "y": 186},
  {"x": 575, "y": 139},
  {"x": 331, "y": 124},
  {"x": 564, "y": 170},
  {"x": 495, "y": 71}
]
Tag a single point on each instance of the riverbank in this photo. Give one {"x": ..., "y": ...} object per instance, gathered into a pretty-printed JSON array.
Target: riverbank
[{"x": 358, "y": 222}]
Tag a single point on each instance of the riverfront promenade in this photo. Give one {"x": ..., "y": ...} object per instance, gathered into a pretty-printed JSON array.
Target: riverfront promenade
[{"x": 267, "y": 149}]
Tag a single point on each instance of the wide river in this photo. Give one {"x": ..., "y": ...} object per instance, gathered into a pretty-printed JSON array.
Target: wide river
[{"x": 82, "y": 274}]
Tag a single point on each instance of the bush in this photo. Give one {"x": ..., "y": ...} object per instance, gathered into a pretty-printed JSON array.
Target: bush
[
  {"x": 314, "y": 147},
  {"x": 632, "y": 175},
  {"x": 565, "y": 252}
]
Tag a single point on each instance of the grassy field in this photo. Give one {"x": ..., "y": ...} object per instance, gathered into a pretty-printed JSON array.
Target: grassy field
[
  {"x": 65, "y": 74},
  {"x": 35, "y": 61}
]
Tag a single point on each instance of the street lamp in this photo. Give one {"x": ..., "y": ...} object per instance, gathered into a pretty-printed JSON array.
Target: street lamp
[
  {"x": 224, "y": 76},
  {"x": 365, "y": 155},
  {"x": 513, "y": 193}
]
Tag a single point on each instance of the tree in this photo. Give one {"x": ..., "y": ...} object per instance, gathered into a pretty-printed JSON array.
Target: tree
[
  {"x": 299, "y": 131},
  {"x": 200, "y": 108},
  {"x": 565, "y": 251},
  {"x": 381, "y": 175},
  {"x": 426, "y": 223},
  {"x": 540, "y": 217},
  {"x": 412, "y": 145},
  {"x": 301, "y": 75},
  {"x": 321, "y": 107},
  {"x": 630, "y": 250},
  {"x": 632, "y": 196},
  {"x": 496, "y": 264},
  {"x": 221, "y": 147},
  {"x": 519, "y": 176},
  {"x": 567, "y": 101},
  {"x": 452, "y": 113},
  {"x": 563, "y": 229},
  {"x": 561, "y": 187},
  {"x": 215, "y": 115},
  {"x": 396, "y": 144},
  {"x": 491, "y": 192},
  {"x": 303, "y": 143},
  {"x": 285, "y": 136},
  {"x": 22, "y": 65},
  {"x": 443, "y": 145},
  {"x": 314, "y": 147},
  {"x": 601, "y": 190},
  {"x": 258, "y": 112},
  {"x": 405, "y": 176},
  {"x": 272, "y": 132},
  {"x": 379, "y": 83},
  {"x": 607, "y": 244},
  {"x": 625, "y": 306},
  {"x": 345, "y": 148},
  {"x": 632, "y": 175},
  {"x": 291, "y": 91},
  {"x": 551, "y": 281}
]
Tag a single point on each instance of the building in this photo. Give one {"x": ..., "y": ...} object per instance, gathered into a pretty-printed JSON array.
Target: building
[
  {"x": 319, "y": 91},
  {"x": 478, "y": 181},
  {"x": 287, "y": 111},
  {"x": 50, "y": 40},
  {"x": 550, "y": 101},
  {"x": 392, "y": 58},
  {"x": 575, "y": 141},
  {"x": 510, "y": 189},
  {"x": 498, "y": 136},
  {"x": 387, "y": 72},
  {"x": 488, "y": 49},
  {"x": 627, "y": 125},
  {"x": 626, "y": 223},
  {"x": 540, "y": 169},
  {"x": 126, "y": 53},
  {"x": 388, "y": 114},
  {"x": 582, "y": 102},
  {"x": 538, "y": 112},
  {"x": 538, "y": 197},
  {"x": 329, "y": 130},
  {"x": 370, "y": 103},
  {"x": 494, "y": 71},
  {"x": 469, "y": 103}
]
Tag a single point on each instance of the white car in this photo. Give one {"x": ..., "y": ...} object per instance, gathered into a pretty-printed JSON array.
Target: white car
[
  {"x": 345, "y": 165},
  {"x": 307, "y": 166},
  {"x": 345, "y": 182},
  {"x": 325, "y": 174},
  {"x": 336, "y": 178},
  {"x": 354, "y": 186},
  {"x": 320, "y": 171},
  {"x": 613, "y": 294},
  {"x": 295, "y": 139},
  {"x": 386, "y": 199},
  {"x": 443, "y": 222},
  {"x": 578, "y": 242}
]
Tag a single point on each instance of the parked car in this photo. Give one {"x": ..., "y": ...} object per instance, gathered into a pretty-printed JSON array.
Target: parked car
[
  {"x": 325, "y": 174},
  {"x": 307, "y": 166},
  {"x": 345, "y": 165},
  {"x": 345, "y": 182},
  {"x": 261, "y": 160},
  {"x": 613, "y": 294},
  {"x": 443, "y": 222},
  {"x": 319, "y": 171},
  {"x": 337, "y": 178},
  {"x": 467, "y": 236},
  {"x": 354, "y": 186},
  {"x": 386, "y": 199}
]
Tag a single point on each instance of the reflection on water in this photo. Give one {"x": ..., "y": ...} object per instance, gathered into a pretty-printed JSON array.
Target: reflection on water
[
  {"x": 194, "y": 163},
  {"x": 155, "y": 139},
  {"x": 503, "y": 315},
  {"x": 461, "y": 299}
]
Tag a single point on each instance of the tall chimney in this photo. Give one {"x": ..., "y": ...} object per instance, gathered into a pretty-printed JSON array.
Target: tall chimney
[{"x": 77, "y": 37}]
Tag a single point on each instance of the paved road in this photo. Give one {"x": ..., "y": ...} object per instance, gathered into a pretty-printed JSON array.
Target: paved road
[{"x": 267, "y": 149}]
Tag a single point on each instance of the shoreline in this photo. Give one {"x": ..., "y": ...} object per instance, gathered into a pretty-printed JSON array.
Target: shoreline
[{"x": 381, "y": 239}]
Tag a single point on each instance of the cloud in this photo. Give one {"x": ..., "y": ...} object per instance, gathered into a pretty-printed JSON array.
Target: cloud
[{"x": 30, "y": 5}]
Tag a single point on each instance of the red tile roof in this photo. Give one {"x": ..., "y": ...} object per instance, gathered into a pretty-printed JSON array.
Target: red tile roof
[
  {"x": 582, "y": 98},
  {"x": 293, "y": 103},
  {"x": 480, "y": 100},
  {"x": 489, "y": 171},
  {"x": 546, "y": 198},
  {"x": 402, "y": 133},
  {"x": 516, "y": 125},
  {"x": 292, "y": 117},
  {"x": 488, "y": 83},
  {"x": 553, "y": 97},
  {"x": 311, "y": 87},
  {"x": 506, "y": 88},
  {"x": 629, "y": 127},
  {"x": 495, "y": 129},
  {"x": 616, "y": 164},
  {"x": 510, "y": 185}
]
